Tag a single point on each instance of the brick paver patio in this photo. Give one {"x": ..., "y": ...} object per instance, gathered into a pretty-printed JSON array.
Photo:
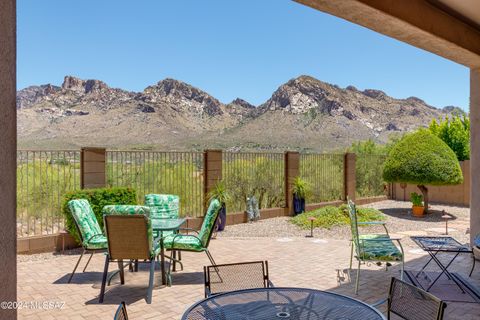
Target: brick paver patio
[{"x": 295, "y": 262}]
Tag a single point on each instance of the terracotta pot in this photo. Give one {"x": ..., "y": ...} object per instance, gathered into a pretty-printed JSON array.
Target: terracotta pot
[{"x": 418, "y": 211}]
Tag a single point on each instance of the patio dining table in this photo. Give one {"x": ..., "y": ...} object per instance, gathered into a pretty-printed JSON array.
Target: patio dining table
[
  {"x": 281, "y": 303},
  {"x": 163, "y": 225}
]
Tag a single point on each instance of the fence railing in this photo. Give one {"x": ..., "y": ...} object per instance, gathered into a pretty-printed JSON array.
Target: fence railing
[
  {"x": 43, "y": 177},
  {"x": 324, "y": 174},
  {"x": 369, "y": 180},
  {"x": 179, "y": 173},
  {"x": 254, "y": 174}
]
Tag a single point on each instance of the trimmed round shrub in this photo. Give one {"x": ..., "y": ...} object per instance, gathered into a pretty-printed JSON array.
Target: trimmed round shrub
[{"x": 423, "y": 159}]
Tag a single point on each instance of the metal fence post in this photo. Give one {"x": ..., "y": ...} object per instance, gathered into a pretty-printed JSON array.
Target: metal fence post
[
  {"x": 292, "y": 170},
  {"x": 212, "y": 171},
  {"x": 350, "y": 182},
  {"x": 93, "y": 168}
]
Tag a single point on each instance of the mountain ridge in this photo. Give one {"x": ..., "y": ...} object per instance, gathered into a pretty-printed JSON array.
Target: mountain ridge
[{"x": 303, "y": 114}]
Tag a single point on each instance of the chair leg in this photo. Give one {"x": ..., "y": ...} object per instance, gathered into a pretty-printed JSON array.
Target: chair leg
[
  {"x": 210, "y": 257},
  {"x": 473, "y": 265},
  {"x": 122, "y": 273},
  {"x": 104, "y": 279},
  {"x": 76, "y": 266},
  {"x": 136, "y": 265},
  {"x": 402, "y": 268},
  {"x": 351, "y": 254},
  {"x": 151, "y": 280},
  {"x": 174, "y": 261},
  {"x": 85, "y": 268},
  {"x": 357, "y": 280}
]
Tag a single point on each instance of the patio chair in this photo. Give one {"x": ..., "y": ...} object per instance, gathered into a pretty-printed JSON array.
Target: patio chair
[
  {"x": 121, "y": 313},
  {"x": 129, "y": 234},
  {"x": 164, "y": 206},
  {"x": 411, "y": 303},
  {"x": 235, "y": 276},
  {"x": 372, "y": 247},
  {"x": 89, "y": 231},
  {"x": 476, "y": 244},
  {"x": 198, "y": 242}
]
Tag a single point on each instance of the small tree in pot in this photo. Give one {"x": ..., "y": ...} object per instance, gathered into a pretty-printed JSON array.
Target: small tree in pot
[
  {"x": 422, "y": 159},
  {"x": 300, "y": 191},
  {"x": 220, "y": 193}
]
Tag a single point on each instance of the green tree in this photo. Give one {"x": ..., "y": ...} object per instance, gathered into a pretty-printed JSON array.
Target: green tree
[
  {"x": 455, "y": 132},
  {"x": 423, "y": 159}
]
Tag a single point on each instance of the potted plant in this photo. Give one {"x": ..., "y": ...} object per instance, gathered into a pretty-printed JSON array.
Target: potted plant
[
  {"x": 417, "y": 204},
  {"x": 220, "y": 193},
  {"x": 299, "y": 190}
]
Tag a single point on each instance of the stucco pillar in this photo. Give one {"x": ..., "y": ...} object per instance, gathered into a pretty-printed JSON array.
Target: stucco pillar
[
  {"x": 8, "y": 158},
  {"x": 474, "y": 152}
]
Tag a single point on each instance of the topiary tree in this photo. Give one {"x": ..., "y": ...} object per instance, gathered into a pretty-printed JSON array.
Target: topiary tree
[{"x": 423, "y": 159}]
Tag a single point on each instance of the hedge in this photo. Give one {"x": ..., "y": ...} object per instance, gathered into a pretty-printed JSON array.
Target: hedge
[{"x": 98, "y": 198}]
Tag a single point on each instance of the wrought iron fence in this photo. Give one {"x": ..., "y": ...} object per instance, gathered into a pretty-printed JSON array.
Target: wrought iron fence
[
  {"x": 179, "y": 173},
  {"x": 369, "y": 169},
  {"x": 324, "y": 174},
  {"x": 43, "y": 177},
  {"x": 254, "y": 174}
]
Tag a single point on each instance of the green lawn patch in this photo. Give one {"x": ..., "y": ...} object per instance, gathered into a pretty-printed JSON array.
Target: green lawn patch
[{"x": 330, "y": 216}]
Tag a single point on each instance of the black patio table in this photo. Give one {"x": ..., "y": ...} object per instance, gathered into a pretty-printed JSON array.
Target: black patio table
[
  {"x": 281, "y": 303},
  {"x": 434, "y": 245}
]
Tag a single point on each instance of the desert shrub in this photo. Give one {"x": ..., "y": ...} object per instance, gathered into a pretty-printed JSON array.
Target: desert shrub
[
  {"x": 98, "y": 198},
  {"x": 455, "y": 132},
  {"x": 423, "y": 159},
  {"x": 330, "y": 216}
]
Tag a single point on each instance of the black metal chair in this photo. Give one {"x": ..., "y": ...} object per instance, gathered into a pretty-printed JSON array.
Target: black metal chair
[
  {"x": 236, "y": 276},
  {"x": 412, "y": 303},
  {"x": 121, "y": 313}
]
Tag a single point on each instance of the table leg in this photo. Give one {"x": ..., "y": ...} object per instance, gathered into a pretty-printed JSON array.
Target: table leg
[
  {"x": 426, "y": 264},
  {"x": 444, "y": 270},
  {"x": 162, "y": 261}
]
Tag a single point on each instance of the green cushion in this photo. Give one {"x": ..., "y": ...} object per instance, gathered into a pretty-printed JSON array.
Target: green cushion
[
  {"x": 99, "y": 242},
  {"x": 87, "y": 224},
  {"x": 134, "y": 210},
  {"x": 183, "y": 242},
  {"x": 378, "y": 250},
  {"x": 162, "y": 205},
  {"x": 209, "y": 221}
]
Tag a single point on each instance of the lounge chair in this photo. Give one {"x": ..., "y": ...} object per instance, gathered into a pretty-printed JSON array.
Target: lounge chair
[
  {"x": 372, "y": 247},
  {"x": 192, "y": 242},
  {"x": 91, "y": 235}
]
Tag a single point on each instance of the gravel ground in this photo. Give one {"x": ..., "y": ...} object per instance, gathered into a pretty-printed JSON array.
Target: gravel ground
[{"x": 399, "y": 222}]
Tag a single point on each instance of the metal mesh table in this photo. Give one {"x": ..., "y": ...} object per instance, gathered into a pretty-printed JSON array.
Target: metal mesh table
[
  {"x": 434, "y": 245},
  {"x": 280, "y": 303}
]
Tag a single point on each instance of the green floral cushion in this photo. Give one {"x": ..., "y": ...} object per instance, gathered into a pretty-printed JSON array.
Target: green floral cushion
[
  {"x": 183, "y": 242},
  {"x": 135, "y": 210},
  {"x": 92, "y": 235},
  {"x": 209, "y": 221},
  {"x": 163, "y": 205},
  {"x": 383, "y": 250}
]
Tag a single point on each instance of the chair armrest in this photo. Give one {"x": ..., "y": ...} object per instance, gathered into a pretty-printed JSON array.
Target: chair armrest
[
  {"x": 381, "y": 239},
  {"x": 371, "y": 222},
  {"x": 188, "y": 229},
  {"x": 184, "y": 235},
  {"x": 374, "y": 223},
  {"x": 376, "y": 304},
  {"x": 95, "y": 235}
]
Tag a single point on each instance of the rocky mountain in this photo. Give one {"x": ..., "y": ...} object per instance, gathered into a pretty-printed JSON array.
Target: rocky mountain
[{"x": 304, "y": 113}]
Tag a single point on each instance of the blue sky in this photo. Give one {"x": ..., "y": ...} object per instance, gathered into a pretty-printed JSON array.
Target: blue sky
[{"x": 241, "y": 48}]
